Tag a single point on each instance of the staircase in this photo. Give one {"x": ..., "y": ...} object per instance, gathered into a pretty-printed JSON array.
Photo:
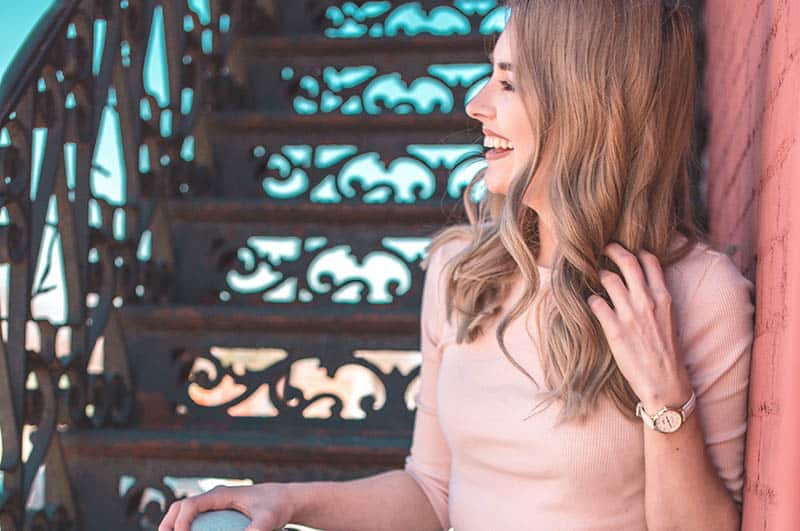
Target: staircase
[{"x": 261, "y": 299}]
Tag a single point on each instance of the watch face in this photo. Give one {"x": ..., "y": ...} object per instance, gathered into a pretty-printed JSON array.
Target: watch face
[{"x": 669, "y": 421}]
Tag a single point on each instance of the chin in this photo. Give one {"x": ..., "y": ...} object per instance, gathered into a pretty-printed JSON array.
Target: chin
[{"x": 495, "y": 187}]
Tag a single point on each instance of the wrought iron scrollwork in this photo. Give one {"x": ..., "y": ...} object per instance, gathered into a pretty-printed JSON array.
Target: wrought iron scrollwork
[
  {"x": 372, "y": 390},
  {"x": 75, "y": 373}
]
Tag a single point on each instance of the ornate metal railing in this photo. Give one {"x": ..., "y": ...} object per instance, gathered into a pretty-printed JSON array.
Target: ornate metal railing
[{"x": 64, "y": 364}]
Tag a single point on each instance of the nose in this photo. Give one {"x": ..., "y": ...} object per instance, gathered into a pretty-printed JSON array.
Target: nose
[{"x": 478, "y": 107}]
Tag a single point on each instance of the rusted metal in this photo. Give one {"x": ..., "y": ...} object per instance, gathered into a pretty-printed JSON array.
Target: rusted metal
[{"x": 60, "y": 82}]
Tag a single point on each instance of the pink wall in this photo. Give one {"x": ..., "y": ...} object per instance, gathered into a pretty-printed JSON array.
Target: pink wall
[{"x": 753, "y": 84}]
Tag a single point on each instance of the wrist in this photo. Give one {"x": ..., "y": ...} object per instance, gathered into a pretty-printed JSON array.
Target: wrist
[
  {"x": 674, "y": 395},
  {"x": 294, "y": 499},
  {"x": 299, "y": 498}
]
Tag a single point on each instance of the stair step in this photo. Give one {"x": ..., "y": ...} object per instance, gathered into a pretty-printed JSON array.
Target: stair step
[
  {"x": 330, "y": 126},
  {"x": 126, "y": 477},
  {"x": 298, "y": 267},
  {"x": 280, "y": 447},
  {"x": 258, "y": 154},
  {"x": 342, "y": 21},
  {"x": 346, "y": 76},
  {"x": 267, "y": 210},
  {"x": 181, "y": 319},
  {"x": 229, "y": 373},
  {"x": 294, "y": 46}
]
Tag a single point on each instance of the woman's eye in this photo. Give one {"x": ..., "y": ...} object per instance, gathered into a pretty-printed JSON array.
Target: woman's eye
[{"x": 506, "y": 85}]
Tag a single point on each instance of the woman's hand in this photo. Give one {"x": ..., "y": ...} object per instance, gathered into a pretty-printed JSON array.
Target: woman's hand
[
  {"x": 268, "y": 505},
  {"x": 640, "y": 329}
]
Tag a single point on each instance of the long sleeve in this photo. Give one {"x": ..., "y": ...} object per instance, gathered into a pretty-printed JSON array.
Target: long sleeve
[
  {"x": 429, "y": 459},
  {"x": 717, "y": 326}
]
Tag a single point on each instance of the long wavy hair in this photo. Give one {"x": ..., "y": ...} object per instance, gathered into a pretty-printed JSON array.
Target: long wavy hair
[{"x": 609, "y": 88}]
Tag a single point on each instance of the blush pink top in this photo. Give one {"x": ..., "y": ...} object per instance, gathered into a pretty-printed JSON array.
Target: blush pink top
[{"x": 483, "y": 467}]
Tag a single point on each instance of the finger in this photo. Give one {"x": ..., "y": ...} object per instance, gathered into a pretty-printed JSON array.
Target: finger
[
  {"x": 605, "y": 315},
  {"x": 187, "y": 513},
  {"x": 629, "y": 267},
  {"x": 263, "y": 523},
  {"x": 262, "y": 526},
  {"x": 617, "y": 292},
  {"x": 168, "y": 522},
  {"x": 214, "y": 499},
  {"x": 655, "y": 274}
]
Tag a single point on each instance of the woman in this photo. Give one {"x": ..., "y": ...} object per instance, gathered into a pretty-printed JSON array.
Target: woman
[{"x": 585, "y": 352}]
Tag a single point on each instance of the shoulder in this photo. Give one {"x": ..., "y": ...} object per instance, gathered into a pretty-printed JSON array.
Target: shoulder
[
  {"x": 433, "y": 308},
  {"x": 706, "y": 276},
  {"x": 713, "y": 308},
  {"x": 442, "y": 248}
]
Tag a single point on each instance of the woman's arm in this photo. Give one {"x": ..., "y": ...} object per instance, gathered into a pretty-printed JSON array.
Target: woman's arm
[
  {"x": 682, "y": 488},
  {"x": 388, "y": 501},
  {"x": 391, "y": 501},
  {"x": 692, "y": 474}
]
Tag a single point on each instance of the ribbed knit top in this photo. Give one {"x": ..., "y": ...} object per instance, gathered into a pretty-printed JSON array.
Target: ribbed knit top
[{"x": 483, "y": 467}]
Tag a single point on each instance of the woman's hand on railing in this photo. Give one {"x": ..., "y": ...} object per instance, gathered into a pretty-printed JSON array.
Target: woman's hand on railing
[{"x": 268, "y": 505}]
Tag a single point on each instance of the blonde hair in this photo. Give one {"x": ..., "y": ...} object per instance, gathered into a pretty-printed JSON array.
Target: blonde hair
[{"x": 609, "y": 88}]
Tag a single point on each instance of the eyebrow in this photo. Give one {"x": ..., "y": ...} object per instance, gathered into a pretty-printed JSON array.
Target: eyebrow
[{"x": 501, "y": 66}]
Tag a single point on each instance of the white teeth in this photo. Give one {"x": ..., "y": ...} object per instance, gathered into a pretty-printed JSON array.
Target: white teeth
[{"x": 494, "y": 142}]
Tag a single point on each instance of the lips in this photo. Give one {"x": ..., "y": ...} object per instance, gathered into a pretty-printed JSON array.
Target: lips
[{"x": 489, "y": 132}]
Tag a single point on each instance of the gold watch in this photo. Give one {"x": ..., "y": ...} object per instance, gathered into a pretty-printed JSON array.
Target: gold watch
[{"x": 667, "y": 419}]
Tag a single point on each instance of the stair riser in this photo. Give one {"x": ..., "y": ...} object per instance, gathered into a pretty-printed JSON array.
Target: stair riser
[
  {"x": 186, "y": 380},
  {"x": 279, "y": 164}
]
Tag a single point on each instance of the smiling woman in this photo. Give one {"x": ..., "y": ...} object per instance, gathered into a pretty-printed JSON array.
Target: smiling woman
[
  {"x": 589, "y": 234},
  {"x": 623, "y": 406}
]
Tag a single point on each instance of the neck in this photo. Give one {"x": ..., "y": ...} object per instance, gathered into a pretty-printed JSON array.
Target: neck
[{"x": 547, "y": 244}]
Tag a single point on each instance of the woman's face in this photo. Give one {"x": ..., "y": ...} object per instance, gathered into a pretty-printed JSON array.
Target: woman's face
[{"x": 499, "y": 108}]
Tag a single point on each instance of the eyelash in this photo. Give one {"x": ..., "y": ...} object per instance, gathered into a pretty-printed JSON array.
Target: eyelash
[{"x": 507, "y": 86}]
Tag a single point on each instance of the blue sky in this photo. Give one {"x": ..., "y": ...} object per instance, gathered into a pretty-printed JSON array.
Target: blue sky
[{"x": 18, "y": 19}]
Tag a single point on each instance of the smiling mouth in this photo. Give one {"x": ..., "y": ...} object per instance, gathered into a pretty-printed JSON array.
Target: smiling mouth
[
  {"x": 496, "y": 147},
  {"x": 496, "y": 153}
]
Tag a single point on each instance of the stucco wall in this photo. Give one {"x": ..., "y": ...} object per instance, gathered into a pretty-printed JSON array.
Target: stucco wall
[{"x": 753, "y": 84}]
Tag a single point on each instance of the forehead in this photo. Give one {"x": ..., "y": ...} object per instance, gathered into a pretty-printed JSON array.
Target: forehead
[{"x": 502, "y": 48}]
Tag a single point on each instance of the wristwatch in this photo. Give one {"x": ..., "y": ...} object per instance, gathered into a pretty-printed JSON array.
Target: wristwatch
[{"x": 667, "y": 419}]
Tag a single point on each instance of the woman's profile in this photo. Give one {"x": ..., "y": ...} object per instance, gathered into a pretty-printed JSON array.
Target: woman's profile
[{"x": 585, "y": 351}]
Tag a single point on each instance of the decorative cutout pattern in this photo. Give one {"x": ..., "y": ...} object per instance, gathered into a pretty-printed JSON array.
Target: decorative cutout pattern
[
  {"x": 271, "y": 383},
  {"x": 343, "y": 174},
  {"x": 333, "y": 272},
  {"x": 380, "y": 19},
  {"x": 360, "y": 90}
]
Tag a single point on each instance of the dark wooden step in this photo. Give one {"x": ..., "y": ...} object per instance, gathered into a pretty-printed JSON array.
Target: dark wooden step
[
  {"x": 308, "y": 271},
  {"x": 182, "y": 359},
  {"x": 125, "y": 479},
  {"x": 243, "y": 144},
  {"x": 333, "y": 125},
  {"x": 293, "y": 46},
  {"x": 308, "y": 19},
  {"x": 249, "y": 445},
  {"x": 263, "y": 210},
  {"x": 182, "y": 319}
]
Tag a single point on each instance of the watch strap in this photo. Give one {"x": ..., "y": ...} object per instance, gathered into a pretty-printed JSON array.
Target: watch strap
[{"x": 650, "y": 420}]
